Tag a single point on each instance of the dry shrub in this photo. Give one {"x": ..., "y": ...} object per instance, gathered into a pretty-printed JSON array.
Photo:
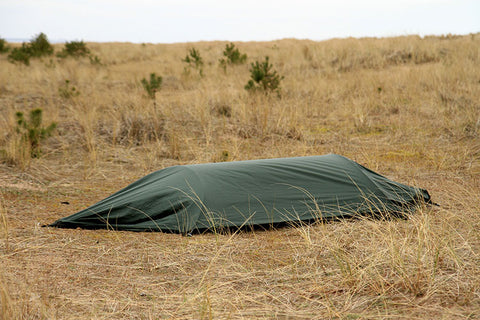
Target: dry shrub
[
  {"x": 7, "y": 310},
  {"x": 247, "y": 132},
  {"x": 347, "y": 61},
  {"x": 16, "y": 151},
  {"x": 222, "y": 110},
  {"x": 410, "y": 56},
  {"x": 132, "y": 129}
]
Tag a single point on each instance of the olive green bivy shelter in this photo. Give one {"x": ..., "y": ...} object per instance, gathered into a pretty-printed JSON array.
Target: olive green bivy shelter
[{"x": 186, "y": 198}]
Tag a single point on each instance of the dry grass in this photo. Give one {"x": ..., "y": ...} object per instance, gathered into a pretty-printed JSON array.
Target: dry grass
[{"x": 406, "y": 107}]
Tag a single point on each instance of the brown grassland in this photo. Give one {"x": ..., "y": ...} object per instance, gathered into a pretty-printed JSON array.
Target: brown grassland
[{"x": 406, "y": 107}]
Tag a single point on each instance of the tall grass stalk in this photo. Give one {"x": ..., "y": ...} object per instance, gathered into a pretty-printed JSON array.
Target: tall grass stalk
[
  {"x": 4, "y": 224},
  {"x": 7, "y": 309}
]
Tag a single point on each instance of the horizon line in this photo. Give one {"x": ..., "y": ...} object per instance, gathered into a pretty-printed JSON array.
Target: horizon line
[{"x": 60, "y": 41}]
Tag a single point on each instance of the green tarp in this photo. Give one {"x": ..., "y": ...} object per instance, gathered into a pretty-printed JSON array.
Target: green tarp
[{"x": 245, "y": 193}]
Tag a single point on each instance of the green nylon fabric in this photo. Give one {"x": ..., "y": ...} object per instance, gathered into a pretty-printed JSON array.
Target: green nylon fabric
[{"x": 243, "y": 193}]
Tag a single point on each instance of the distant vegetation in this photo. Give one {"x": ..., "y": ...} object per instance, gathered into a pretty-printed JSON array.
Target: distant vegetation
[
  {"x": 3, "y": 46},
  {"x": 151, "y": 86},
  {"x": 74, "y": 49},
  {"x": 263, "y": 77},
  {"x": 20, "y": 54},
  {"x": 68, "y": 91},
  {"x": 232, "y": 56},
  {"x": 39, "y": 47},
  {"x": 193, "y": 60}
]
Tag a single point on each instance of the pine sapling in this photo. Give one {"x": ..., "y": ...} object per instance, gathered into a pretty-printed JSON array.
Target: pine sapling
[
  {"x": 68, "y": 91},
  {"x": 152, "y": 86},
  {"x": 232, "y": 56},
  {"x": 40, "y": 46},
  {"x": 32, "y": 131},
  {"x": 193, "y": 59},
  {"x": 74, "y": 49},
  {"x": 3, "y": 46},
  {"x": 263, "y": 78}
]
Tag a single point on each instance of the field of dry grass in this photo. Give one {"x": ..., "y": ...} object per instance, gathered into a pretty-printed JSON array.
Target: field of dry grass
[{"x": 406, "y": 107}]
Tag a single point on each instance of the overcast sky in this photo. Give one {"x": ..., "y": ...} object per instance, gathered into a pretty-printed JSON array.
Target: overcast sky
[{"x": 165, "y": 21}]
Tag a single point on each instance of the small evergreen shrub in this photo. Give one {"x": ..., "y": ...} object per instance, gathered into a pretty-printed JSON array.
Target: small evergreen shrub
[
  {"x": 39, "y": 46},
  {"x": 68, "y": 91},
  {"x": 3, "y": 46},
  {"x": 95, "y": 60},
  {"x": 20, "y": 54},
  {"x": 222, "y": 110},
  {"x": 32, "y": 131},
  {"x": 194, "y": 60},
  {"x": 74, "y": 49},
  {"x": 151, "y": 86},
  {"x": 232, "y": 56},
  {"x": 263, "y": 78}
]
